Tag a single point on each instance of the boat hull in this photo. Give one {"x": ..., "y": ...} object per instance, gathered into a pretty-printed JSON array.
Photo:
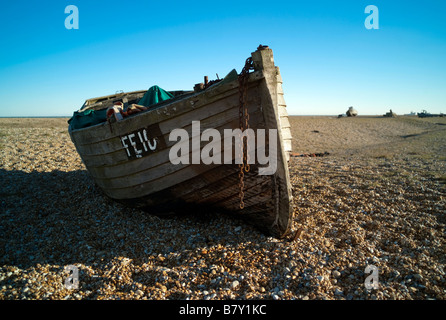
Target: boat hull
[{"x": 131, "y": 160}]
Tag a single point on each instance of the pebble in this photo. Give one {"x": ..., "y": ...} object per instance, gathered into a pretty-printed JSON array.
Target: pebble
[
  {"x": 139, "y": 292},
  {"x": 234, "y": 284},
  {"x": 338, "y": 291},
  {"x": 418, "y": 276}
]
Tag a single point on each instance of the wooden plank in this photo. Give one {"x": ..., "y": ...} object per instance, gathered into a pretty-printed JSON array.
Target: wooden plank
[
  {"x": 229, "y": 190},
  {"x": 144, "y": 169},
  {"x": 281, "y": 101},
  {"x": 287, "y": 144},
  {"x": 286, "y": 133},
  {"x": 153, "y": 161},
  {"x": 257, "y": 190},
  {"x": 229, "y": 120},
  {"x": 164, "y": 182},
  {"x": 278, "y": 76},
  {"x": 282, "y": 111},
  {"x": 285, "y": 122},
  {"x": 204, "y": 183}
]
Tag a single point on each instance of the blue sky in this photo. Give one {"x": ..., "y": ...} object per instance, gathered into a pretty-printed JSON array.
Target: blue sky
[{"x": 328, "y": 59}]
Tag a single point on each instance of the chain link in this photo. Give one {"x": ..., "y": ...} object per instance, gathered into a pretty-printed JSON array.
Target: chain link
[{"x": 244, "y": 124}]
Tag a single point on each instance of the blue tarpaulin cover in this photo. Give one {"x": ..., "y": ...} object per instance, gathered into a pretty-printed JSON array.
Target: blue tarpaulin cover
[
  {"x": 87, "y": 118},
  {"x": 154, "y": 95}
]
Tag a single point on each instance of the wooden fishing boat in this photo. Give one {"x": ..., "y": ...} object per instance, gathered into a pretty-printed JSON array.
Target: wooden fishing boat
[{"x": 131, "y": 159}]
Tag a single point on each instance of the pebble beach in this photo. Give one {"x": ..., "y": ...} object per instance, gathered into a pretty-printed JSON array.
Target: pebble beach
[{"x": 376, "y": 198}]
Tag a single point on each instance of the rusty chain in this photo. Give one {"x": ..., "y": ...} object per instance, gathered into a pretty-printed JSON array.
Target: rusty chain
[{"x": 244, "y": 124}]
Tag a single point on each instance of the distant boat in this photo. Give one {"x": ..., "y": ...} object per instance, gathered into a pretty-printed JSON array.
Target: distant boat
[
  {"x": 390, "y": 114},
  {"x": 130, "y": 159},
  {"x": 425, "y": 114},
  {"x": 351, "y": 112}
]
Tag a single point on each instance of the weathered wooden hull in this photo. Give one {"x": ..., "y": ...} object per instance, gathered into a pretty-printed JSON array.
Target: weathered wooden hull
[{"x": 150, "y": 181}]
